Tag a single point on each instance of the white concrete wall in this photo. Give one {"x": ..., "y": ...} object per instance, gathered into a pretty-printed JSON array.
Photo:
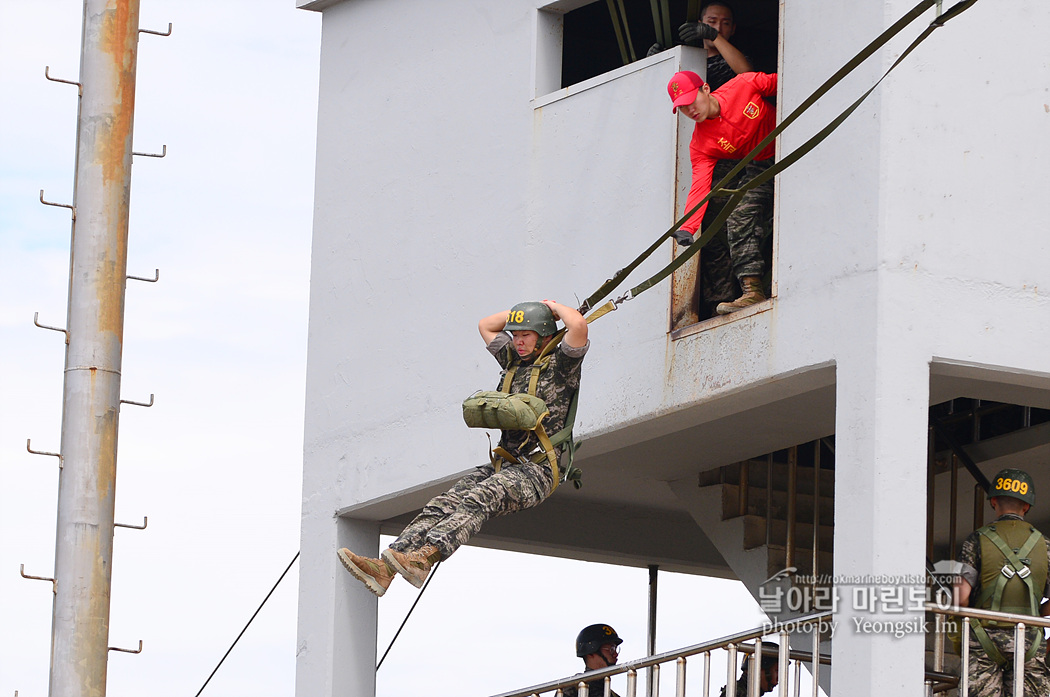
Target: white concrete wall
[
  {"x": 445, "y": 192},
  {"x": 913, "y": 234}
]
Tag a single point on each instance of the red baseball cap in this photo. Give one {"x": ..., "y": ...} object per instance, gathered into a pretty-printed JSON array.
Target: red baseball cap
[{"x": 683, "y": 88}]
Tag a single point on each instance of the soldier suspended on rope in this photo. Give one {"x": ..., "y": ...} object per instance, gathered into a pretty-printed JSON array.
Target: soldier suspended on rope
[{"x": 523, "y": 470}]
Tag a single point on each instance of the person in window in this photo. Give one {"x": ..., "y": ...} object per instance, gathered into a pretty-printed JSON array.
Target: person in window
[
  {"x": 730, "y": 122},
  {"x": 725, "y": 61},
  {"x": 599, "y": 647},
  {"x": 716, "y": 27}
]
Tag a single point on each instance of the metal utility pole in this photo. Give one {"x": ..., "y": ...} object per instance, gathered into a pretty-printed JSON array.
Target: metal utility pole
[{"x": 95, "y": 335}]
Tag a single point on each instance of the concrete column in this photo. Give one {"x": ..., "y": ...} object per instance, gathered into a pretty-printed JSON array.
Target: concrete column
[
  {"x": 338, "y": 616},
  {"x": 880, "y": 513}
]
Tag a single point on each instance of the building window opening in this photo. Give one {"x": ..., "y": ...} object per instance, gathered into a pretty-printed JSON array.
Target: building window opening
[{"x": 590, "y": 33}]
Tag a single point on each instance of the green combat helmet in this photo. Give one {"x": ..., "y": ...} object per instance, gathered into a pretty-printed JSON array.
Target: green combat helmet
[
  {"x": 1015, "y": 484},
  {"x": 531, "y": 316}
]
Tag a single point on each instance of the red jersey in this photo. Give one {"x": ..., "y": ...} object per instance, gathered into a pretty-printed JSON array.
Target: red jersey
[{"x": 745, "y": 119}]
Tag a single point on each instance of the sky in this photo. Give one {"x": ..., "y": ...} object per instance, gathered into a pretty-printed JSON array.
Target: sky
[{"x": 215, "y": 465}]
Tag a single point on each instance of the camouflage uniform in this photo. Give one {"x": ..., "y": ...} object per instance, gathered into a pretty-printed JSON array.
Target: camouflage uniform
[
  {"x": 450, "y": 519},
  {"x": 750, "y": 226},
  {"x": 741, "y": 686},
  {"x": 987, "y": 678},
  {"x": 744, "y": 119},
  {"x": 717, "y": 283},
  {"x": 718, "y": 71}
]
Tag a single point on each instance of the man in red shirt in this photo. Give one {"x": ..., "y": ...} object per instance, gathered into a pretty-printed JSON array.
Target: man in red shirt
[{"x": 730, "y": 122}]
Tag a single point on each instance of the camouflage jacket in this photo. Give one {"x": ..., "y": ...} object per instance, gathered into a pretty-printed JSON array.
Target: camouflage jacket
[{"x": 556, "y": 386}]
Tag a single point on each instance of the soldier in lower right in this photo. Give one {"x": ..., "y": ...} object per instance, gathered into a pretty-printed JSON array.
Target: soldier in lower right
[{"x": 1004, "y": 569}]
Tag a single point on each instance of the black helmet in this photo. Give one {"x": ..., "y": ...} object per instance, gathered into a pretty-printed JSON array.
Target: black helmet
[
  {"x": 592, "y": 638},
  {"x": 770, "y": 656},
  {"x": 531, "y": 316},
  {"x": 1015, "y": 484}
]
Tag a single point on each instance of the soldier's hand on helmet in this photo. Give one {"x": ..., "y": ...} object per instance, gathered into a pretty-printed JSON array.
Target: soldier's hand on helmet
[
  {"x": 553, "y": 306},
  {"x": 695, "y": 33},
  {"x": 684, "y": 237}
]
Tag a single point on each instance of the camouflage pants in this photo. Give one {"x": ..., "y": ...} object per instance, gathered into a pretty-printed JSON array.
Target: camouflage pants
[
  {"x": 717, "y": 284},
  {"x": 450, "y": 519},
  {"x": 988, "y": 679},
  {"x": 750, "y": 226}
]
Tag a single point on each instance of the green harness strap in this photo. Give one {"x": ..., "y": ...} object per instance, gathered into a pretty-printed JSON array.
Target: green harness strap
[
  {"x": 996, "y": 593},
  {"x": 565, "y": 434},
  {"x": 548, "y": 447}
]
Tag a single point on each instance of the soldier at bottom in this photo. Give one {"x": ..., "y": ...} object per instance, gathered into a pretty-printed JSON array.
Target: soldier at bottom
[
  {"x": 599, "y": 647},
  {"x": 1004, "y": 568}
]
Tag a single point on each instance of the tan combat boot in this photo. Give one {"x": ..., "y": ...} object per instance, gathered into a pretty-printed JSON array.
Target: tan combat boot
[
  {"x": 413, "y": 565},
  {"x": 752, "y": 286},
  {"x": 376, "y": 574}
]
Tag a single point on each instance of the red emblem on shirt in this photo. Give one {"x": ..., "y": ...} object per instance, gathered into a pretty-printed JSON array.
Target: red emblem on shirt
[{"x": 751, "y": 110}]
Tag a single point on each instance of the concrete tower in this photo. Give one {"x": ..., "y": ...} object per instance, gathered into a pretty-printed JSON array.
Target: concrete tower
[{"x": 457, "y": 175}]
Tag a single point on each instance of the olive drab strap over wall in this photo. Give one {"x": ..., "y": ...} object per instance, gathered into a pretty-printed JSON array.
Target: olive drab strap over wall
[
  {"x": 736, "y": 195},
  {"x": 1017, "y": 565}
]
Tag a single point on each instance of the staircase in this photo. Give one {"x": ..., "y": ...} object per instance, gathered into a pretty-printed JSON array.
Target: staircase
[{"x": 785, "y": 501}]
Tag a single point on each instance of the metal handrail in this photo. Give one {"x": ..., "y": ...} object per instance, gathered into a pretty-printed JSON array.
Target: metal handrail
[
  {"x": 731, "y": 641},
  {"x": 976, "y": 613},
  {"x": 1020, "y": 622}
]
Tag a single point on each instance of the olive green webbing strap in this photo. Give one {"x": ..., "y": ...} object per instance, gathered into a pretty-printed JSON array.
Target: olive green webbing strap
[
  {"x": 508, "y": 377},
  {"x": 560, "y": 334},
  {"x": 619, "y": 21},
  {"x": 565, "y": 434},
  {"x": 737, "y": 194},
  {"x": 548, "y": 452},
  {"x": 661, "y": 22},
  {"x": 537, "y": 367},
  {"x": 987, "y": 644},
  {"x": 996, "y": 593},
  {"x": 693, "y": 13}
]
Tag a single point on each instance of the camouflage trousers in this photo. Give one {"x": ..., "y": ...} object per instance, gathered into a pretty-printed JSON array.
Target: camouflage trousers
[
  {"x": 749, "y": 228},
  {"x": 717, "y": 284},
  {"x": 988, "y": 679},
  {"x": 450, "y": 519}
]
